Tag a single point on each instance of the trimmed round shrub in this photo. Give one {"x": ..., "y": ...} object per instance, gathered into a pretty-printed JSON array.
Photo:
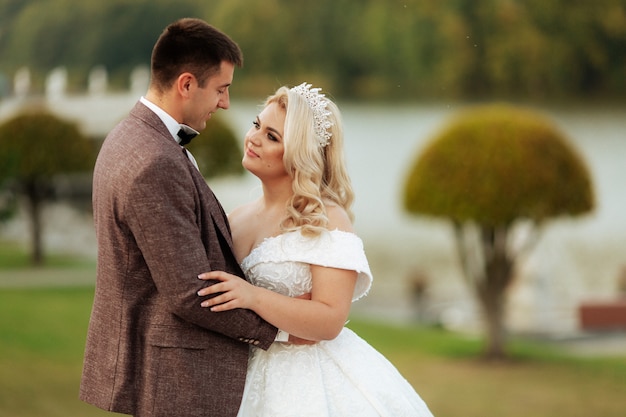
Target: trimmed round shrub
[{"x": 494, "y": 164}]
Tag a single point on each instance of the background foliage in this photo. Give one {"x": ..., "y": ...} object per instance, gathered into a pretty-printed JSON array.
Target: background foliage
[
  {"x": 375, "y": 49},
  {"x": 217, "y": 150},
  {"x": 490, "y": 169},
  {"x": 36, "y": 148},
  {"x": 496, "y": 164}
]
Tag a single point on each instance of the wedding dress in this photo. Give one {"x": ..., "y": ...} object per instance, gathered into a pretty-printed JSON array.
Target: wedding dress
[{"x": 340, "y": 377}]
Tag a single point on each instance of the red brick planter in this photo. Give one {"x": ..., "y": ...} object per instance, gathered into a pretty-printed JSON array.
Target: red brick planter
[{"x": 604, "y": 315}]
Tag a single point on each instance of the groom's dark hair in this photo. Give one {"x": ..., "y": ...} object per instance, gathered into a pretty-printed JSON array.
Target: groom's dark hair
[{"x": 191, "y": 45}]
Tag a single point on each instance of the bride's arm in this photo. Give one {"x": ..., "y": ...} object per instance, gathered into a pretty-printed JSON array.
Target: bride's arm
[{"x": 320, "y": 318}]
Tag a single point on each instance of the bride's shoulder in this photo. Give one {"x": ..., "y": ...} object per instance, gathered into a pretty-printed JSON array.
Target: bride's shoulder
[{"x": 338, "y": 218}]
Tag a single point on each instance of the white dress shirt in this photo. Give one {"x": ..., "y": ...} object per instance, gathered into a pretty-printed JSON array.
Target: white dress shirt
[{"x": 170, "y": 123}]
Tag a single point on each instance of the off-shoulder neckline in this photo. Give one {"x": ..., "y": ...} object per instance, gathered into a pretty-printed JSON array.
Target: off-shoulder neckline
[{"x": 269, "y": 239}]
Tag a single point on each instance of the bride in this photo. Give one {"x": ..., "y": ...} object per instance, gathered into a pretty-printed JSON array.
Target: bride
[{"x": 296, "y": 244}]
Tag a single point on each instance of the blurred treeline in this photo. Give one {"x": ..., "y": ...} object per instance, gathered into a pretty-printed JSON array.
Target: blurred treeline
[{"x": 357, "y": 49}]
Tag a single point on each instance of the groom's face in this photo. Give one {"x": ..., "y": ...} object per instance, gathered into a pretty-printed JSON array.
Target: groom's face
[{"x": 206, "y": 100}]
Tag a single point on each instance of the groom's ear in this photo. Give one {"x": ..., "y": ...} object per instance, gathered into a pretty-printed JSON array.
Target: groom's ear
[{"x": 185, "y": 83}]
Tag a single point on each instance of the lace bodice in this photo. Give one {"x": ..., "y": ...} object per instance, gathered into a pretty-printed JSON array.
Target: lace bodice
[{"x": 281, "y": 263}]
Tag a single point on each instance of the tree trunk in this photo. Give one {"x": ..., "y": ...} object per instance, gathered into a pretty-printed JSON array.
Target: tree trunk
[
  {"x": 488, "y": 271},
  {"x": 498, "y": 275},
  {"x": 492, "y": 305},
  {"x": 34, "y": 199}
]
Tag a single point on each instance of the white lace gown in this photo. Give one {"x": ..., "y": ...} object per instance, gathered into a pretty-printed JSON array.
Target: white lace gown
[{"x": 340, "y": 377}]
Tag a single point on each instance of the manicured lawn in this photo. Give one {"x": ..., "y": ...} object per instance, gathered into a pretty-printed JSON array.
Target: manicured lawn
[
  {"x": 42, "y": 333},
  {"x": 43, "y": 323}
]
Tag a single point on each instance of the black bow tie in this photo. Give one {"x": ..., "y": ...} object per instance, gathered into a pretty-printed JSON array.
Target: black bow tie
[{"x": 185, "y": 137}]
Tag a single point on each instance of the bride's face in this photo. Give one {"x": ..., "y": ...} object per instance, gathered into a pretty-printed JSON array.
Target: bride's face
[{"x": 264, "y": 144}]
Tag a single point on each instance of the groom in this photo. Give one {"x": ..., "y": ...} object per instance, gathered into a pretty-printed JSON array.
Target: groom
[{"x": 152, "y": 350}]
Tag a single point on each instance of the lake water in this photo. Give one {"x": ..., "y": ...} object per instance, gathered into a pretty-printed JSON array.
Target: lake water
[{"x": 576, "y": 259}]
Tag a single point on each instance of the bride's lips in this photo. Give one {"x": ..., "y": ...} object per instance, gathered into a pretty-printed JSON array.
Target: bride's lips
[{"x": 251, "y": 153}]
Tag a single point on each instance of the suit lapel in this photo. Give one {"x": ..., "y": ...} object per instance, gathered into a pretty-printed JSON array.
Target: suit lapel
[
  {"x": 220, "y": 219},
  {"x": 214, "y": 208}
]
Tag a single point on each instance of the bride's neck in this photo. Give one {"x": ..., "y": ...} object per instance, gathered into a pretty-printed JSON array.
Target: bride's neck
[{"x": 276, "y": 198}]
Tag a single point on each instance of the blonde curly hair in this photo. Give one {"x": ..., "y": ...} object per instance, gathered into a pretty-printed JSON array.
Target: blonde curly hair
[{"x": 319, "y": 175}]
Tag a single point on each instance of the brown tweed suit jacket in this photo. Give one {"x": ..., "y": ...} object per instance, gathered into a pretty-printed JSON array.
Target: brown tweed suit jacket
[{"x": 151, "y": 349}]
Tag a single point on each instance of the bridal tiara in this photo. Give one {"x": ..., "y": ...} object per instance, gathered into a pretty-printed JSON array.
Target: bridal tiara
[{"x": 317, "y": 102}]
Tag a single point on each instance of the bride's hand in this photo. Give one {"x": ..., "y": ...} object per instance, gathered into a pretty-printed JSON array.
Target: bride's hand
[{"x": 232, "y": 292}]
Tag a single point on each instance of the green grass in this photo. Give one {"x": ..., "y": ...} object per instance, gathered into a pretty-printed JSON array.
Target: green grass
[
  {"x": 43, "y": 329},
  {"x": 42, "y": 333}
]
